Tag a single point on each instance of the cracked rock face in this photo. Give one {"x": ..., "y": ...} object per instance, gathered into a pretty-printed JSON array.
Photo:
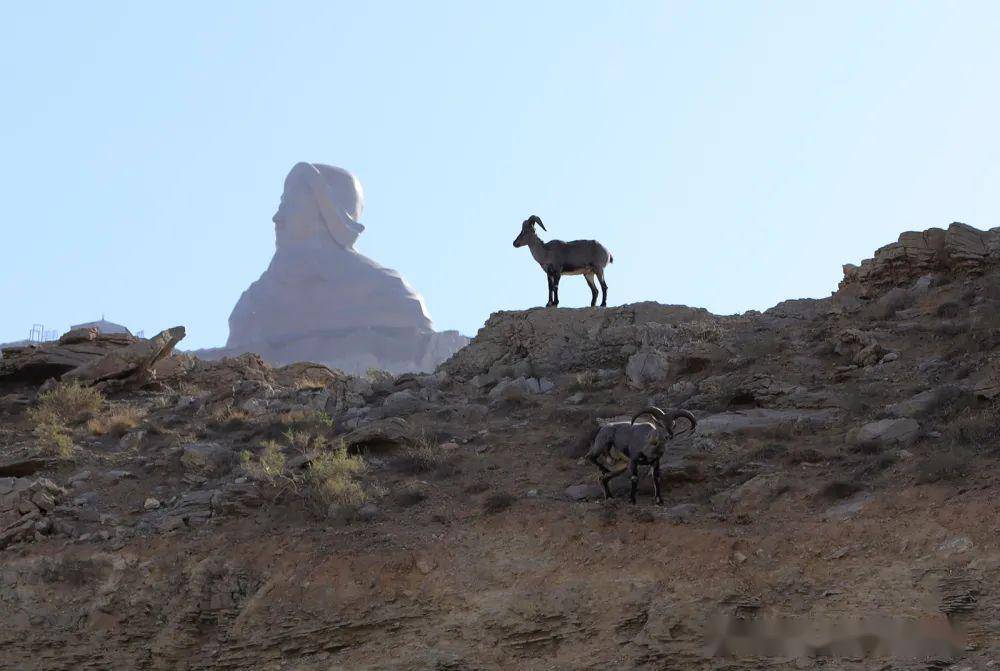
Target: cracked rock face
[
  {"x": 320, "y": 300},
  {"x": 916, "y": 253}
]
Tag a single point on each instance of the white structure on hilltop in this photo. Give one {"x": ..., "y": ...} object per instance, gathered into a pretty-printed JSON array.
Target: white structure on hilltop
[{"x": 103, "y": 326}]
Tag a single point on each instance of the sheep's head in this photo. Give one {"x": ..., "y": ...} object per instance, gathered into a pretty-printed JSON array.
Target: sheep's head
[
  {"x": 666, "y": 422},
  {"x": 528, "y": 230},
  {"x": 660, "y": 420}
]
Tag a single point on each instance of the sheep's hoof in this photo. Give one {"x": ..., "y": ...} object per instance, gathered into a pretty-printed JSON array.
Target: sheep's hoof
[{"x": 659, "y": 502}]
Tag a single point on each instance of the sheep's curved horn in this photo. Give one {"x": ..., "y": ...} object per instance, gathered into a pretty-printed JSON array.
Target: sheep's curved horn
[
  {"x": 674, "y": 415},
  {"x": 658, "y": 415},
  {"x": 534, "y": 219}
]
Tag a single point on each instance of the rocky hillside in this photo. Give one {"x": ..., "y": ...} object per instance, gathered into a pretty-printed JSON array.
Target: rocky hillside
[{"x": 158, "y": 511}]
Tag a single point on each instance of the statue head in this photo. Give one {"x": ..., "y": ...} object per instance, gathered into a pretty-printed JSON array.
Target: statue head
[{"x": 319, "y": 200}]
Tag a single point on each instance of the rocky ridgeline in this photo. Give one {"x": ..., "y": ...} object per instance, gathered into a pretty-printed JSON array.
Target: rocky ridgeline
[
  {"x": 961, "y": 249},
  {"x": 816, "y": 417}
]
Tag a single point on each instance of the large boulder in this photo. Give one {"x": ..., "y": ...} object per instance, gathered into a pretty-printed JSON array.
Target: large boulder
[
  {"x": 206, "y": 459},
  {"x": 887, "y": 432},
  {"x": 765, "y": 420},
  {"x": 923, "y": 403}
]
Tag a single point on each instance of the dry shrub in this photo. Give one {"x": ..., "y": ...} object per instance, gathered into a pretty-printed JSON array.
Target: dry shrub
[
  {"x": 117, "y": 422},
  {"x": 331, "y": 478},
  {"x": 315, "y": 421},
  {"x": 186, "y": 388},
  {"x": 425, "y": 457},
  {"x": 976, "y": 429},
  {"x": 303, "y": 430},
  {"x": 944, "y": 466},
  {"x": 419, "y": 458},
  {"x": 379, "y": 377},
  {"x": 301, "y": 440},
  {"x": 585, "y": 381},
  {"x": 55, "y": 440},
  {"x": 269, "y": 467},
  {"x": 497, "y": 503},
  {"x": 66, "y": 404}
]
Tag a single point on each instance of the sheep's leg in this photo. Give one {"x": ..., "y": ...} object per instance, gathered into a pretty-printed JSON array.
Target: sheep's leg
[
  {"x": 604, "y": 287},
  {"x": 593, "y": 288},
  {"x": 555, "y": 288},
  {"x": 608, "y": 477},
  {"x": 633, "y": 472},
  {"x": 548, "y": 276},
  {"x": 657, "y": 495},
  {"x": 597, "y": 462}
]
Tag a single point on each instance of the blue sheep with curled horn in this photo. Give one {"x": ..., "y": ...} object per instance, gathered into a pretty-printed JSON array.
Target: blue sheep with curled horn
[{"x": 558, "y": 258}]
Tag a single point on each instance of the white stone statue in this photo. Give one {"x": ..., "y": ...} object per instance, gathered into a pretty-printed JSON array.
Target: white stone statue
[{"x": 320, "y": 300}]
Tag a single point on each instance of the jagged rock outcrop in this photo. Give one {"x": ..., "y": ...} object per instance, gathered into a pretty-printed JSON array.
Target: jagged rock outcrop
[
  {"x": 545, "y": 341},
  {"x": 25, "y": 505},
  {"x": 90, "y": 357},
  {"x": 320, "y": 300},
  {"x": 960, "y": 248}
]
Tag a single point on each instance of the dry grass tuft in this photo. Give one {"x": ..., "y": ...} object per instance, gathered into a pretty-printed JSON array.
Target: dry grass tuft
[
  {"x": 117, "y": 422},
  {"x": 420, "y": 458},
  {"x": 306, "y": 383},
  {"x": 229, "y": 418},
  {"x": 425, "y": 457}
]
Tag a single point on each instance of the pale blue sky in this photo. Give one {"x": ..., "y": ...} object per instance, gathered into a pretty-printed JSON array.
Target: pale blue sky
[{"x": 729, "y": 154}]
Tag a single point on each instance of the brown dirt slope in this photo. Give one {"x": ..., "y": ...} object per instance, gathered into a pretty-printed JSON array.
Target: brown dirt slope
[{"x": 214, "y": 515}]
